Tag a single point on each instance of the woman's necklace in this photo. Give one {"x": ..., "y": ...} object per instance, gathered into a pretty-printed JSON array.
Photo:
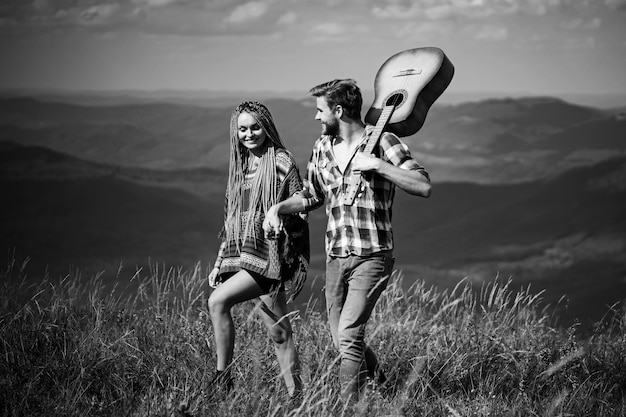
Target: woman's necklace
[{"x": 252, "y": 164}]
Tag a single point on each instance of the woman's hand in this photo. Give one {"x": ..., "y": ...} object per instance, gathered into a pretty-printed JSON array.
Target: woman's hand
[
  {"x": 214, "y": 277},
  {"x": 272, "y": 224}
]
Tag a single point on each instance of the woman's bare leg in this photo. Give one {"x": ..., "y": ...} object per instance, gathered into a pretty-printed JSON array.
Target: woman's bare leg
[
  {"x": 274, "y": 315},
  {"x": 237, "y": 289}
]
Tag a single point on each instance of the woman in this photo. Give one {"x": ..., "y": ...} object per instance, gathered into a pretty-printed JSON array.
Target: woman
[{"x": 249, "y": 265}]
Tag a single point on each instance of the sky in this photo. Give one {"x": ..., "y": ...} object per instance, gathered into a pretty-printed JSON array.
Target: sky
[{"x": 505, "y": 46}]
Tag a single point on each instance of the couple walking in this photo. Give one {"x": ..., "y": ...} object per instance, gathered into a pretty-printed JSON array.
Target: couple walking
[{"x": 265, "y": 240}]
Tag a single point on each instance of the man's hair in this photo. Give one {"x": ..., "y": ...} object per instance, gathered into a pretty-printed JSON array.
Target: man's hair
[{"x": 341, "y": 92}]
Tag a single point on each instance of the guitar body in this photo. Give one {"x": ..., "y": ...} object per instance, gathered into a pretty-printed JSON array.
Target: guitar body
[
  {"x": 406, "y": 86},
  {"x": 410, "y": 81}
]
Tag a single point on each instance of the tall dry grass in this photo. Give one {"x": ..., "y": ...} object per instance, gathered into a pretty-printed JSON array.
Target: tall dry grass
[{"x": 73, "y": 347}]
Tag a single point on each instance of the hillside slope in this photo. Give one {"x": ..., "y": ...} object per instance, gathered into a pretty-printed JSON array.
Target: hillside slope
[
  {"x": 490, "y": 141},
  {"x": 550, "y": 210},
  {"x": 566, "y": 234},
  {"x": 60, "y": 211}
]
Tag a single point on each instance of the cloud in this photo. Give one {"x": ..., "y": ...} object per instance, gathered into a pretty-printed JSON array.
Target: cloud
[
  {"x": 419, "y": 31},
  {"x": 247, "y": 12},
  {"x": 588, "y": 42},
  {"x": 580, "y": 23},
  {"x": 435, "y": 10},
  {"x": 475, "y": 9},
  {"x": 98, "y": 15},
  {"x": 64, "y": 13},
  {"x": 41, "y": 5},
  {"x": 492, "y": 33},
  {"x": 242, "y": 17},
  {"x": 616, "y": 4},
  {"x": 162, "y": 17},
  {"x": 27, "y": 11},
  {"x": 155, "y": 3},
  {"x": 329, "y": 32},
  {"x": 329, "y": 29},
  {"x": 288, "y": 18},
  {"x": 439, "y": 11}
]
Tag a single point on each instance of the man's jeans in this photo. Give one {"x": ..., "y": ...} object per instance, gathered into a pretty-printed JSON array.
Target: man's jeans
[{"x": 353, "y": 286}]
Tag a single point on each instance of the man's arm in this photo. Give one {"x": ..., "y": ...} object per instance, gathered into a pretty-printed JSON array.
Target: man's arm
[
  {"x": 273, "y": 224},
  {"x": 411, "y": 181},
  {"x": 307, "y": 199},
  {"x": 294, "y": 204}
]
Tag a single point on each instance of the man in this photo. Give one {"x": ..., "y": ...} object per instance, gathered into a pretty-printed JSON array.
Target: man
[{"x": 359, "y": 240}]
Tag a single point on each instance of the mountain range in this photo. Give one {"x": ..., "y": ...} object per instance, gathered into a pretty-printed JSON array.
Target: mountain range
[
  {"x": 490, "y": 141},
  {"x": 529, "y": 189}
]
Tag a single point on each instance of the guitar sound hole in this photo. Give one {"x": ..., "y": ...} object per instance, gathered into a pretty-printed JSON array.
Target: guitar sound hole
[{"x": 396, "y": 99}]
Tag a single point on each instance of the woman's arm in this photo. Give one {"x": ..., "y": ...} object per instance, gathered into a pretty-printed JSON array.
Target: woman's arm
[
  {"x": 273, "y": 224},
  {"x": 215, "y": 272}
]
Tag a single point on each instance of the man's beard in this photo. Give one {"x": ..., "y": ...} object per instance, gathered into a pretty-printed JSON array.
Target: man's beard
[{"x": 330, "y": 128}]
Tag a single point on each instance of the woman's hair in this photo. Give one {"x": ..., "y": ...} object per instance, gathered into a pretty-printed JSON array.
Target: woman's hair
[
  {"x": 264, "y": 187},
  {"x": 341, "y": 92}
]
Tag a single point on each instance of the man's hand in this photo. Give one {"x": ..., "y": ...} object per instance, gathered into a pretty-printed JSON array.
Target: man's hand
[
  {"x": 365, "y": 162},
  {"x": 273, "y": 224}
]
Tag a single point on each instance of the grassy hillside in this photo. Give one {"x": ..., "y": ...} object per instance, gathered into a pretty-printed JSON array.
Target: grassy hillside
[{"x": 446, "y": 353}]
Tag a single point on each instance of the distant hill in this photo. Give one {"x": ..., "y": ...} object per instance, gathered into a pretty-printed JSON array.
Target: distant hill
[
  {"x": 166, "y": 136},
  {"x": 531, "y": 188},
  {"x": 19, "y": 162},
  {"x": 463, "y": 222},
  {"x": 607, "y": 133},
  {"x": 489, "y": 141},
  {"x": 209, "y": 99},
  {"x": 566, "y": 233},
  {"x": 69, "y": 213},
  {"x": 148, "y": 135},
  {"x": 230, "y": 98},
  {"x": 507, "y": 141},
  {"x": 481, "y": 125}
]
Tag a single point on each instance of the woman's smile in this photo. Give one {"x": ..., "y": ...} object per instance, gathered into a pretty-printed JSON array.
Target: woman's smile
[{"x": 250, "y": 133}]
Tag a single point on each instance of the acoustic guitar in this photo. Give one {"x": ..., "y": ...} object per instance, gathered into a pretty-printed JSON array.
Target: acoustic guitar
[{"x": 406, "y": 86}]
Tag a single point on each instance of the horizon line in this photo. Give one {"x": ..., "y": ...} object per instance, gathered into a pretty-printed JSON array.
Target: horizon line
[{"x": 600, "y": 100}]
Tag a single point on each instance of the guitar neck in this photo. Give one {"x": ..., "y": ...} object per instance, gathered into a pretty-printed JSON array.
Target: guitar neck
[
  {"x": 354, "y": 183},
  {"x": 378, "y": 129}
]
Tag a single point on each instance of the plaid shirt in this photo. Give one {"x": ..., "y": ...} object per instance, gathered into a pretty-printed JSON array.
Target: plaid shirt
[{"x": 364, "y": 227}]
